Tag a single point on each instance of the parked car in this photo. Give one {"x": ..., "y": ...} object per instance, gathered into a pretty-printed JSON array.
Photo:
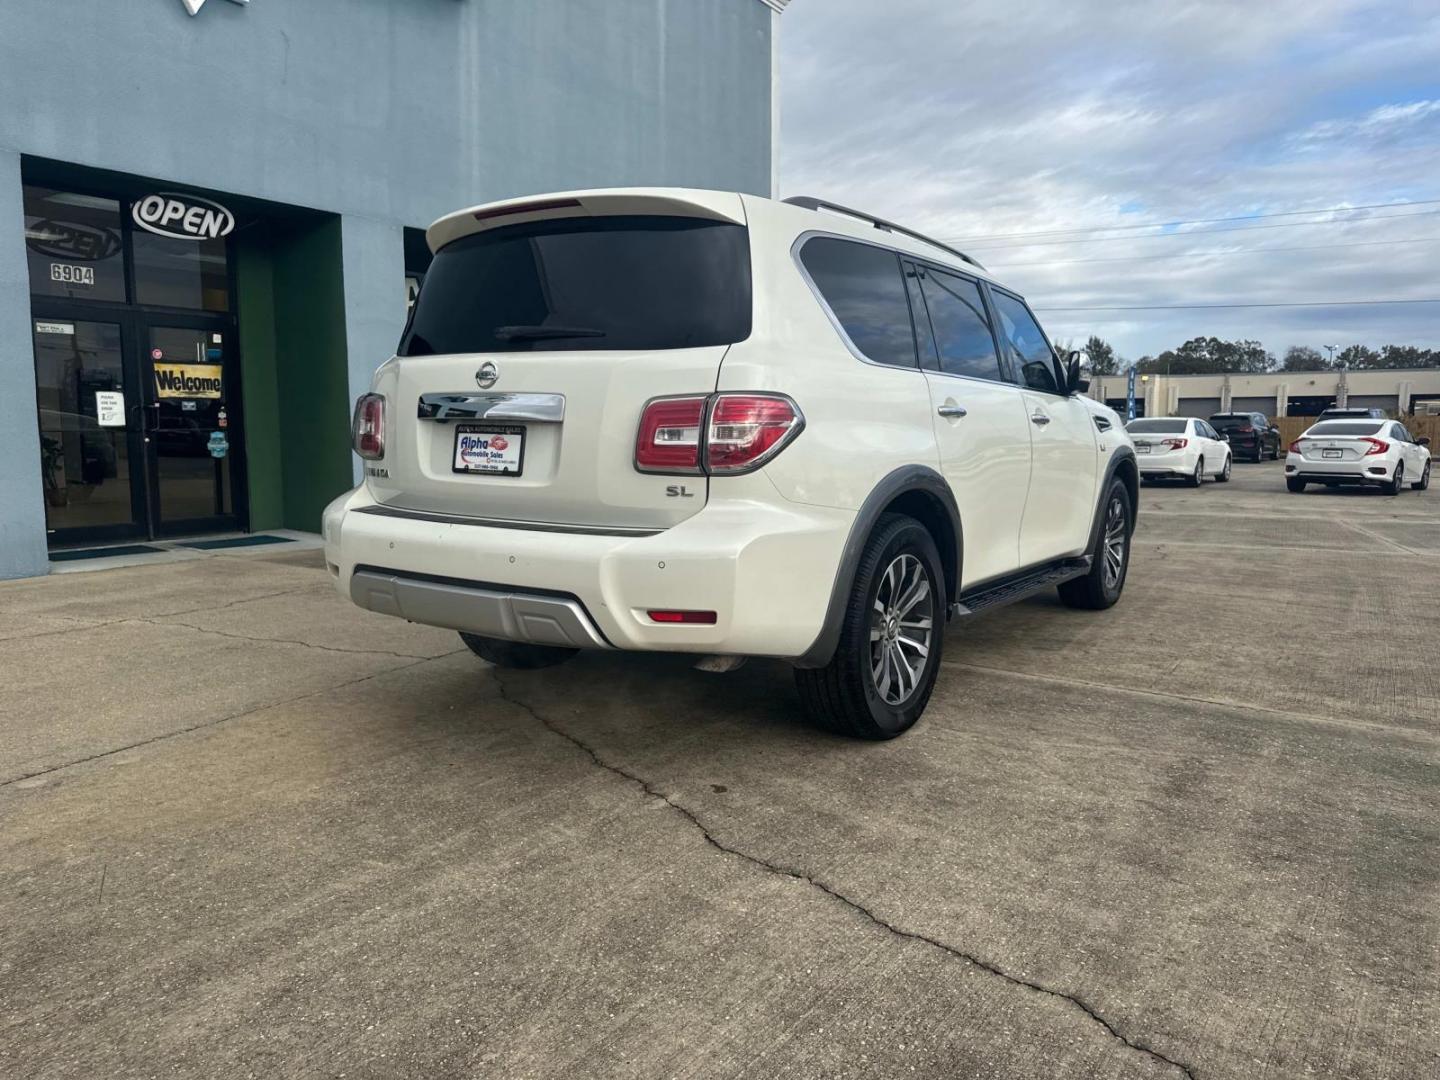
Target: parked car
[
  {"x": 1180, "y": 448},
  {"x": 1352, "y": 414},
  {"x": 1378, "y": 453},
  {"x": 710, "y": 423},
  {"x": 1251, "y": 434}
]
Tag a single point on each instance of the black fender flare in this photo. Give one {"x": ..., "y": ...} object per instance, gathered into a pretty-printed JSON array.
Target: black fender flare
[
  {"x": 1118, "y": 459},
  {"x": 902, "y": 481}
]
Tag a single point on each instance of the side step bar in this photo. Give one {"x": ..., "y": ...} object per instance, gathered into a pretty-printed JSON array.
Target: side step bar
[{"x": 1017, "y": 587}]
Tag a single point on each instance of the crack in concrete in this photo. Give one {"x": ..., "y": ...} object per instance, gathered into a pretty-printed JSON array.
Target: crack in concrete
[
  {"x": 272, "y": 640},
  {"x": 853, "y": 905},
  {"x": 222, "y": 719}
]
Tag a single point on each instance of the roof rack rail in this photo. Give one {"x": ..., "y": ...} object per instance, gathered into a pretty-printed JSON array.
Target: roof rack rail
[{"x": 809, "y": 202}]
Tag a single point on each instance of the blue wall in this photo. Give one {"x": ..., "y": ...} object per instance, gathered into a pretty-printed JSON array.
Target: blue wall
[{"x": 386, "y": 112}]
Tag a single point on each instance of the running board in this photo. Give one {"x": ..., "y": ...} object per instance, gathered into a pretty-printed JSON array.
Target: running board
[{"x": 1008, "y": 590}]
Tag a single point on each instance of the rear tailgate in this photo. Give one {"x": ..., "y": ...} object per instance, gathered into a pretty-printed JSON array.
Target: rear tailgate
[{"x": 542, "y": 330}]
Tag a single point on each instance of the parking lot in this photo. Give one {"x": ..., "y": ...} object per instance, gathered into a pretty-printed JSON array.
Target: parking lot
[{"x": 252, "y": 831}]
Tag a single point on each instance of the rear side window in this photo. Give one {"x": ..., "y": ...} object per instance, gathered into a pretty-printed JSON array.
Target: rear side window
[
  {"x": 865, "y": 290},
  {"x": 1346, "y": 427},
  {"x": 1156, "y": 427},
  {"x": 1031, "y": 352},
  {"x": 962, "y": 330},
  {"x": 586, "y": 284}
]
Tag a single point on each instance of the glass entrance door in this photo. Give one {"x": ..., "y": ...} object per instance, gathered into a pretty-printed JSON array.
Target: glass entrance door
[
  {"x": 191, "y": 433},
  {"x": 92, "y": 465}
]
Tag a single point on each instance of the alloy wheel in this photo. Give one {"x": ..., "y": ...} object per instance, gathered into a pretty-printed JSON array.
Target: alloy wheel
[
  {"x": 902, "y": 624},
  {"x": 1114, "y": 548}
]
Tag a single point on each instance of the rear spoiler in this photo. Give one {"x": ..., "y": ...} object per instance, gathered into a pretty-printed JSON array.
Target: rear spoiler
[{"x": 660, "y": 202}]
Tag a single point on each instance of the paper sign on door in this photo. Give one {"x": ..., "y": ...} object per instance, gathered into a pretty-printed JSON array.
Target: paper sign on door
[{"x": 109, "y": 408}]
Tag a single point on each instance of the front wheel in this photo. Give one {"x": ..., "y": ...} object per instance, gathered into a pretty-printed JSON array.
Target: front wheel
[
  {"x": 1225, "y": 472},
  {"x": 1424, "y": 481},
  {"x": 516, "y": 654},
  {"x": 879, "y": 680},
  {"x": 1397, "y": 481},
  {"x": 1109, "y": 557}
]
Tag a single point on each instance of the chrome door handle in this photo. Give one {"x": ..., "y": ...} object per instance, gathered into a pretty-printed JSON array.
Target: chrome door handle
[
  {"x": 952, "y": 411},
  {"x": 1039, "y": 418}
]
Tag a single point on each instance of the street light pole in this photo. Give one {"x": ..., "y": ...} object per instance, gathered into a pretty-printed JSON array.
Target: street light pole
[{"x": 1331, "y": 350}]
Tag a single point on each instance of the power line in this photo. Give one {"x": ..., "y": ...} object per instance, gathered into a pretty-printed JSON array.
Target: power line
[
  {"x": 1199, "y": 254},
  {"x": 1192, "y": 221},
  {"x": 1196, "y": 307},
  {"x": 1200, "y": 232}
]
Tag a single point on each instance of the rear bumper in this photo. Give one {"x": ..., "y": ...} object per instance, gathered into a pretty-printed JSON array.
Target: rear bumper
[
  {"x": 765, "y": 568},
  {"x": 1338, "y": 472},
  {"x": 1164, "y": 466}
]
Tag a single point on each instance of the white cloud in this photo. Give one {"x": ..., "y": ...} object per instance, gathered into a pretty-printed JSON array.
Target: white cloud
[{"x": 977, "y": 119}]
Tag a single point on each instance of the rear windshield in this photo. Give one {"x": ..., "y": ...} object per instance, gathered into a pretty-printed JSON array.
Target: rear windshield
[
  {"x": 1232, "y": 421},
  {"x": 1156, "y": 427},
  {"x": 588, "y": 284},
  {"x": 1345, "y": 427}
]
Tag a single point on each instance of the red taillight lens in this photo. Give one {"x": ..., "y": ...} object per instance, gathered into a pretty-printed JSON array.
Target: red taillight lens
[
  {"x": 1295, "y": 446},
  {"x": 1175, "y": 444},
  {"x": 669, "y": 438},
  {"x": 745, "y": 430},
  {"x": 1245, "y": 430},
  {"x": 368, "y": 428},
  {"x": 1377, "y": 446},
  {"x": 704, "y": 618}
]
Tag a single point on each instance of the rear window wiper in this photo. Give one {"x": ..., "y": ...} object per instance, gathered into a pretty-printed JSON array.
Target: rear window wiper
[{"x": 540, "y": 333}]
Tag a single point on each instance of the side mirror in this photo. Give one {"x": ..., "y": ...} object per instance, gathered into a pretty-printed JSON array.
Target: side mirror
[
  {"x": 1423, "y": 440},
  {"x": 1075, "y": 380},
  {"x": 1224, "y": 438}
]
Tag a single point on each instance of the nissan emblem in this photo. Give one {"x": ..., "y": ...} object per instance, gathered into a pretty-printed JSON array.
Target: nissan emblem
[{"x": 486, "y": 376}]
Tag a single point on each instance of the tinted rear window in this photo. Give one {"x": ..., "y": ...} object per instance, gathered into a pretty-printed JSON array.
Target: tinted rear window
[
  {"x": 586, "y": 284},
  {"x": 865, "y": 290},
  {"x": 1225, "y": 422},
  {"x": 1156, "y": 427},
  {"x": 1345, "y": 427}
]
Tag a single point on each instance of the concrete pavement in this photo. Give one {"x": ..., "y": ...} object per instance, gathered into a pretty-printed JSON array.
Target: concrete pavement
[{"x": 251, "y": 831}]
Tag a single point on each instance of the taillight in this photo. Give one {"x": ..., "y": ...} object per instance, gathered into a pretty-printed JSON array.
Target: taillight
[
  {"x": 1175, "y": 444},
  {"x": 1377, "y": 446},
  {"x": 669, "y": 438},
  {"x": 367, "y": 430},
  {"x": 1295, "y": 446},
  {"x": 746, "y": 430},
  {"x": 722, "y": 434},
  {"x": 1245, "y": 430}
]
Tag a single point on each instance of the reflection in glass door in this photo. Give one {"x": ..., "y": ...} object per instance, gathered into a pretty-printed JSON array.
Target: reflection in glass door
[
  {"x": 92, "y": 488},
  {"x": 189, "y": 433}
]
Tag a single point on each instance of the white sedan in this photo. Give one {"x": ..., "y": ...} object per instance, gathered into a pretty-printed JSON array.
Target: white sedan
[
  {"x": 1179, "y": 447},
  {"x": 1380, "y": 453}
]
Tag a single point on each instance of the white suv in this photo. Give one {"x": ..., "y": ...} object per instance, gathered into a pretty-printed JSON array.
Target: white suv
[{"x": 711, "y": 423}]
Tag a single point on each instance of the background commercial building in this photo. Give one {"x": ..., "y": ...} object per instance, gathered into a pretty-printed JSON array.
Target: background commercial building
[
  {"x": 1400, "y": 392},
  {"x": 209, "y": 212}
]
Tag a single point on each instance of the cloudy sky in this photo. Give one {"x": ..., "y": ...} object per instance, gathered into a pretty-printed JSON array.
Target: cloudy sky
[{"x": 975, "y": 120}]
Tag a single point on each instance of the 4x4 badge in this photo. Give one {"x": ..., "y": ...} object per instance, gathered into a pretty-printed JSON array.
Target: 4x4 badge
[{"x": 486, "y": 376}]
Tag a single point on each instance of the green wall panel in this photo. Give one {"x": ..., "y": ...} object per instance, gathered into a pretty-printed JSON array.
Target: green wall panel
[{"x": 255, "y": 284}]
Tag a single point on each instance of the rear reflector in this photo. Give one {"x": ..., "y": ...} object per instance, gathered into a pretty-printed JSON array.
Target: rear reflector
[
  {"x": 669, "y": 436},
  {"x": 706, "y": 618},
  {"x": 367, "y": 430}
]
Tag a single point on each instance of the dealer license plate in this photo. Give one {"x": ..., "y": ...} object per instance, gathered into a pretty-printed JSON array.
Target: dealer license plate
[
  {"x": 492, "y": 449},
  {"x": 1331, "y": 453}
]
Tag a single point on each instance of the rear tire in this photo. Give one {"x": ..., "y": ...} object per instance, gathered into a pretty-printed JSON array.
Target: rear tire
[
  {"x": 864, "y": 691},
  {"x": 1224, "y": 476},
  {"x": 519, "y": 655},
  {"x": 1397, "y": 481},
  {"x": 1424, "y": 481},
  {"x": 1296, "y": 486},
  {"x": 1199, "y": 477},
  {"x": 1110, "y": 556}
]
